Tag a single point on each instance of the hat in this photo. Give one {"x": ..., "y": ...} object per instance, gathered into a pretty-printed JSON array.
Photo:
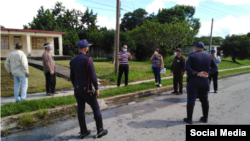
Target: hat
[
  {"x": 178, "y": 50},
  {"x": 212, "y": 51},
  {"x": 83, "y": 43},
  {"x": 46, "y": 44},
  {"x": 199, "y": 44}
]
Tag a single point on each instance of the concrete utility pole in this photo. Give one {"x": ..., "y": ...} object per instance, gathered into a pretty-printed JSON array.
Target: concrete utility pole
[
  {"x": 117, "y": 34},
  {"x": 211, "y": 35}
]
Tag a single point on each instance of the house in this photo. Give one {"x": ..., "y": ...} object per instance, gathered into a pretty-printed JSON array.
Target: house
[
  {"x": 32, "y": 40},
  {"x": 190, "y": 49}
]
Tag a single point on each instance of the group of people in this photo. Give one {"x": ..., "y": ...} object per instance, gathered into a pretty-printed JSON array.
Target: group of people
[
  {"x": 16, "y": 64},
  {"x": 199, "y": 66}
]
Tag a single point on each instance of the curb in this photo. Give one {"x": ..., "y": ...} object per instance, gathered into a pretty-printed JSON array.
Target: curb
[{"x": 5, "y": 120}]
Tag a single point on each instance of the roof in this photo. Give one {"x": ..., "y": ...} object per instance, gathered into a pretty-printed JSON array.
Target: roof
[{"x": 31, "y": 30}]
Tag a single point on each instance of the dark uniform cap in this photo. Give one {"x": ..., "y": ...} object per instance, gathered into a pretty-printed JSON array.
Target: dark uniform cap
[
  {"x": 212, "y": 51},
  {"x": 178, "y": 50},
  {"x": 83, "y": 43},
  {"x": 199, "y": 45},
  {"x": 46, "y": 44}
]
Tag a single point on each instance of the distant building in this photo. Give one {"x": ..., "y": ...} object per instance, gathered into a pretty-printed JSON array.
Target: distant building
[
  {"x": 32, "y": 41},
  {"x": 188, "y": 50}
]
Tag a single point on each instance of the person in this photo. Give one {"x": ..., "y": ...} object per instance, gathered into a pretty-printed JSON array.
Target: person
[
  {"x": 198, "y": 66},
  {"x": 178, "y": 69},
  {"x": 16, "y": 64},
  {"x": 82, "y": 75},
  {"x": 217, "y": 60},
  {"x": 157, "y": 66},
  {"x": 123, "y": 57},
  {"x": 49, "y": 69}
]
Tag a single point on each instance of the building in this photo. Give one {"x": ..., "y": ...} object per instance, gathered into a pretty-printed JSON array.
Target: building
[
  {"x": 32, "y": 40},
  {"x": 190, "y": 49}
]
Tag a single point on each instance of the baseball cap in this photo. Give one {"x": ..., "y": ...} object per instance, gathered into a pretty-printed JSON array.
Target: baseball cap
[
  {"x": 83, "y": 43},
  {"x": 212, "y": 51},
  {"x": 46, "y": 44},
  {"x": 199, "y": 44},
  {"x": 178, "y": 50}
]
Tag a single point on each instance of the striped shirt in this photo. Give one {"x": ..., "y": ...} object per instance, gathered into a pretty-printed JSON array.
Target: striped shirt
[{"x": 124, "y": 61}]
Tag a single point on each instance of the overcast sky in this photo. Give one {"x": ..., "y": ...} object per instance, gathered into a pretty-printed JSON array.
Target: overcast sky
[{"x": 230, "y": 16}]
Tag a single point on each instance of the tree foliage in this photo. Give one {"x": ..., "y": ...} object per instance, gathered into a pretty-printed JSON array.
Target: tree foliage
[
  {"x": 236, "y": 46},
  {"x": 165, "y": 36},
  {"x": 206, "y": 40}
]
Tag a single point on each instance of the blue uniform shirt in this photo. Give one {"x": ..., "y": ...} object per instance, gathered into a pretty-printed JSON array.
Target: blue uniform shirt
[
  {"x": 78, "y": 71},
  {"x": 200, "y": 61}
]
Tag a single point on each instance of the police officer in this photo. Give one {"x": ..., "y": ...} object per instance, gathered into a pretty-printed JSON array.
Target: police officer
[
  {"x": 198, "y": 66},
  {"x": 217, "y": 60},
  {"x": 82, "y": 74},
  {"x": 178, "y": 69}
]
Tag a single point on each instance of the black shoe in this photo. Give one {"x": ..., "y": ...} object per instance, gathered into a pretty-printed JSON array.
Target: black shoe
[
  {"x": 82, "y": 135},
  {"x": 215, "y": 91},
  {"x": 202, "y": 119},
  {"x": 174, "y": 92},
  {"x": 99, "y": 126},
  {"x": 180, "y": 93},
  {"x": 188, "y": 121}
]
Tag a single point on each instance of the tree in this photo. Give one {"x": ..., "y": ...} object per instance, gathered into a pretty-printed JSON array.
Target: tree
[
  {"x": 206, "y": 40},
  {"x": 236, "y": 46},
  {"x": 2, "y": 26},
  {"x": 165, "y": 36},
  {"x": 248, "y": 34},
  {"x": 131, "y": 20}
]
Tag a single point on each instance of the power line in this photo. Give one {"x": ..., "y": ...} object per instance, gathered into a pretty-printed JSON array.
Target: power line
[{"x": 99, "y": 3}]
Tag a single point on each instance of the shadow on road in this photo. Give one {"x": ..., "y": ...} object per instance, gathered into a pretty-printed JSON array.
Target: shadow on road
[{"x": 154, "y": 124}]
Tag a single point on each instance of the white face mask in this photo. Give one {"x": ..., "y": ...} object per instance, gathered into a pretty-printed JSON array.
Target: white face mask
[
  {"x": 156, "y": 52},
  {"x": 125, "y": 50},
  {"x": 175, "y": 53}
]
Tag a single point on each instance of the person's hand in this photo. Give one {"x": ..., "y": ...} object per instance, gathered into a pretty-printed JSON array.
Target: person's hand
[
  {"x": 51, "y": 72},
  {"x": 162, "y": 68},
  {"x": 27, "y": 74},
  {"x": 203, "y": 74},
  {"x": 97, "y": 93}
]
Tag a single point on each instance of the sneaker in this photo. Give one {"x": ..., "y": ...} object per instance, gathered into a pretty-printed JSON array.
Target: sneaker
[
  {"x": 159, "y": 85},
  {"x": 156, "y": 84}
]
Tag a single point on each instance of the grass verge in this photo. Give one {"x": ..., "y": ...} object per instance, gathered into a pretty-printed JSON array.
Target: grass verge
[{"x": 33, "y": 105}]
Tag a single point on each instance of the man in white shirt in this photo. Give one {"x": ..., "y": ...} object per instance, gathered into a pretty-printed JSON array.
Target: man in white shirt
[{"x": 16, "y": 64}]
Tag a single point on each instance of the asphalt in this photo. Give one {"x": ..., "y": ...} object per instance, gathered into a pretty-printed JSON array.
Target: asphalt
[
  {"x": 158, "y": 118},
  {"x": 66, "y": 92}
]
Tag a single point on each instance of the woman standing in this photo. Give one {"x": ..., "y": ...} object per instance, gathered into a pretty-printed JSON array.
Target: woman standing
[{"x": 157, "y": 66}]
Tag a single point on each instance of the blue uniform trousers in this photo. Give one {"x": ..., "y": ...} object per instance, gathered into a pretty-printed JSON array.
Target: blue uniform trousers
[
  {"x": 198, "y": 86},
  {"x": 83, "y": 97}
]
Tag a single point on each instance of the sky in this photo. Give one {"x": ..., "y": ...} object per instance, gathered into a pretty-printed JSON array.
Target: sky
[{"x": 230, "y": 16}]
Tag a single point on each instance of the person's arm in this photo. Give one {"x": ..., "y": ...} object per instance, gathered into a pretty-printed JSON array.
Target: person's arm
[
  {"x": 7, "y": 65},
  {"x": 119, "y": 57},
  {"x": 183, "y": 65},
  {"x": 92, "y": 74},
  {"x": 130, "y": 56},
  {"x": 188, "y": 66},
  {"x": 151, "y": 58},
  {"x": 213, "y": 66},
  {"x": 162, "y": 63},
  {"x": 217, "y": 60},
  {"x": 72, "y": 75},
  {"x": 25, "y": 65}
]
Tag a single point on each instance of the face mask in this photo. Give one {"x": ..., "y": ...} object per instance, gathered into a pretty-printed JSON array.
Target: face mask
[
  {"x": 156, "y": 52},
  {"x": 125, "y": 50},
  {"x": 175, "y": 53}
]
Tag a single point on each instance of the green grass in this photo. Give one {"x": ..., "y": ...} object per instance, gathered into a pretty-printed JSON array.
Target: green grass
[
  {"x": 36, "y": 82},
  {"x": 33, "y": 105},
  {"x": 227, "y": 63}
]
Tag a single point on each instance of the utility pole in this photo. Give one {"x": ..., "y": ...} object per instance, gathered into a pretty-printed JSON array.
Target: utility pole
[
  {"x": 117, "y": 34},
  {"x": 211, "y": 35}
]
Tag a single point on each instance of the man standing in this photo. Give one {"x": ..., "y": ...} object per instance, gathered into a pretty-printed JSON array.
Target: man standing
[
  {"x": 82, "y": 75},
  {"x": 123, "y": 57},
  {"x": 49, "y": 69},
  {"x": 178, "y": 69},
  {"x": 199, "y": 65},
  {"x": 16, "y": 64},
  {"x": 217, "y": 60}
]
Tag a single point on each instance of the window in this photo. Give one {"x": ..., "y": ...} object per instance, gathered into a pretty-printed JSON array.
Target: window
[
  {"x": 5, "y": 42},
  {"x": 38, "y": 42},
  {"x": 17, "y": 39}
]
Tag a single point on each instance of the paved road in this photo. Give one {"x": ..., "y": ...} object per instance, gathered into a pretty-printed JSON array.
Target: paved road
[{"x": 157, "y": 118}]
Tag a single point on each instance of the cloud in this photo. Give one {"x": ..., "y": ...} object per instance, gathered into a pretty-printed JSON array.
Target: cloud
[
  {"x": 16, "y": 13},
  {"x": 106, "y": 22},
  {"x": 233, "y": 2},
  {"x": 226, "y": 26},
  {"x": 155, "y": 6}
]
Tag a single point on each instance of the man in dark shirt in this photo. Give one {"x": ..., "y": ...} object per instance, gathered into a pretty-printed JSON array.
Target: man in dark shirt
[
  {"x": 82, "y": 75},
  {"x": 178, "y": 69},
  {"x": 199, "y": 66}
]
